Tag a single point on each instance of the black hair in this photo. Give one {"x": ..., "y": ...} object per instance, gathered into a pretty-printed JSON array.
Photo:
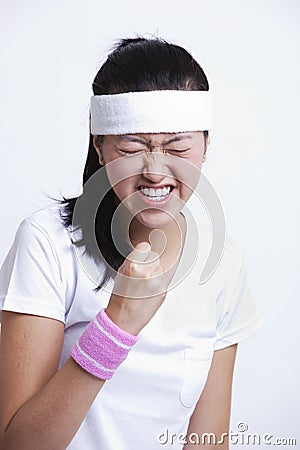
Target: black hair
[{"x": 137, "y": 64}]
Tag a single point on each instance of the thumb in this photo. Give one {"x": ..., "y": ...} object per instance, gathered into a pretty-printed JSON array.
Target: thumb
[{"x": 140, "y": 252}]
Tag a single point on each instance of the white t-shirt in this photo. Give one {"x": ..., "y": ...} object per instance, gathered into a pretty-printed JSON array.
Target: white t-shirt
[{"x": 155, "y": 390}]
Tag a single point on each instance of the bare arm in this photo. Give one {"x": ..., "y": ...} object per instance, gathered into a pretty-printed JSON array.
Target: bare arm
[
  {"x": 41, "y": 407},
  {"x": 212, "y": 412}
]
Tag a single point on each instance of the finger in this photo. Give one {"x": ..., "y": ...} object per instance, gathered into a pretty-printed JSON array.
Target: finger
[
  {"x": 140, "y": 253},
  {"x": 153, "y": 258}
]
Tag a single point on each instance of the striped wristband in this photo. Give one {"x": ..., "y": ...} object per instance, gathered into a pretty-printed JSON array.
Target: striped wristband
[{"x": 102, "y": 347}]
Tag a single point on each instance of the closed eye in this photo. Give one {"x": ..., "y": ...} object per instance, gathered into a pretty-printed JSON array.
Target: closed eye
[
  {"x": 177, "y": 151},
  {"x": 131, "y": 152},
  {"x": 169, "y": 150}
]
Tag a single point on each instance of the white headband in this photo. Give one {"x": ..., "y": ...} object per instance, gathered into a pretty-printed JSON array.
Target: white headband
[{"x": 151, "y": 112}]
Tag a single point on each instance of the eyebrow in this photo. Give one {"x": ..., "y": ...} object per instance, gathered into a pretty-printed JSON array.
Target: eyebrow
[{"x": 144, "y": 141}]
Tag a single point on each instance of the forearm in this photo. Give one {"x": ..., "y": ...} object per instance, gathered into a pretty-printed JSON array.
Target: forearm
[
  {"x": 51, "y": 418},
  {"x": 216, "y": 438},
  {"x": 209, "y": 423},
  {"x": 43, "y": 408}
]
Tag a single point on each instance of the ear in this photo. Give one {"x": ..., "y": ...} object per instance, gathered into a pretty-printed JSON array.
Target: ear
[
  {"x": 207, "y": 141},
  {"x": 98, "y": 149}
]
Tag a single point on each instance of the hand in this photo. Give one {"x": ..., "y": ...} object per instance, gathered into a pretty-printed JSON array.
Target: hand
[{"x": 139, "y": 290}]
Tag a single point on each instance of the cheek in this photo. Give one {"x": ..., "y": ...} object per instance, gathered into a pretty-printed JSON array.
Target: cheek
[
  {"x": 196, "y": 159},
  {"x": 125, "y": 187},
  {"x": 187, "y": 172},
  {"x": 122, "y": 174}
]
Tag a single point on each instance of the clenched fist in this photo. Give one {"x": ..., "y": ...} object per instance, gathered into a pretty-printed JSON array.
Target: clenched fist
[{"x": 139, "y": 289}]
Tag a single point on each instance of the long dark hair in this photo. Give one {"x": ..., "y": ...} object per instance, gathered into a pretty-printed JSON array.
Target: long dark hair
[{"x": 137, "y": 64}]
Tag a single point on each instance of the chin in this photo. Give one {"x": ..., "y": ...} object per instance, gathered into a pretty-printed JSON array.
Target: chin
[{"x": 154, "y": 219}]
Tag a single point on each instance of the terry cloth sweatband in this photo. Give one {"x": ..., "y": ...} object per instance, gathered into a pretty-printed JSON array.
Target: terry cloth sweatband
[
  {"x": 102, "y": 347},
  {"x": 151, "y": 112}
]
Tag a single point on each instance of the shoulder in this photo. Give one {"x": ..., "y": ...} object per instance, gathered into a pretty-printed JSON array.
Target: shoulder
[
  {"x": 232, "y": 259},
  {"x": 220, "y": 256},
  {"x": 44, "y": 224},
  {"x": 230, "y": 271},
  {"x": 47, "y": 219},
  {"x": 219, "y": 253},
  {"x": 41, "y": 236}
]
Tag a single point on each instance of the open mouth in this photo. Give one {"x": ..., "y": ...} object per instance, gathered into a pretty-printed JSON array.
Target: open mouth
[{"x": 156, "y": 194}]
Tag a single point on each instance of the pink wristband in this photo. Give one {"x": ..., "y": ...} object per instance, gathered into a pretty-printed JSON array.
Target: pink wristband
[{"x": 102, "y": 347}]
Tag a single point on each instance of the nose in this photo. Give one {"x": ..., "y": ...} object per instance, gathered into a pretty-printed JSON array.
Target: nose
[{"x": 154, "y": 166}]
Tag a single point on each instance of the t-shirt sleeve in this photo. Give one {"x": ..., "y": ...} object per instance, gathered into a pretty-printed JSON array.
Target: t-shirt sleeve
[
  {"x": 30, "y": 278},
  {"x": 238, "y": 315}
]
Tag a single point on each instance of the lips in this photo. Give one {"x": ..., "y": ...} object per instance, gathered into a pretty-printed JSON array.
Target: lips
[
  {"x": 155, "y": 193},
  {"x": 155, "y": 197}
]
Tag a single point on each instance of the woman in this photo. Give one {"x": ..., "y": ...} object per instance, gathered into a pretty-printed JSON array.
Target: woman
[{"x": 108, "y": 340}]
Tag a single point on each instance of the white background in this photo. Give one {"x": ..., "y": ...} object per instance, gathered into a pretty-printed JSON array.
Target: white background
[{"x": 50, "y": 52}]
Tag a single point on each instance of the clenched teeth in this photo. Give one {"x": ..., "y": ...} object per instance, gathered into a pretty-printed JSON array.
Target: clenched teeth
[{"x": 161, "y": 192}]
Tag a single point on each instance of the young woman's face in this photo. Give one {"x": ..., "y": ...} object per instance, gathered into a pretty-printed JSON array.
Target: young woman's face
[{"x": 153, "y": 174}]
